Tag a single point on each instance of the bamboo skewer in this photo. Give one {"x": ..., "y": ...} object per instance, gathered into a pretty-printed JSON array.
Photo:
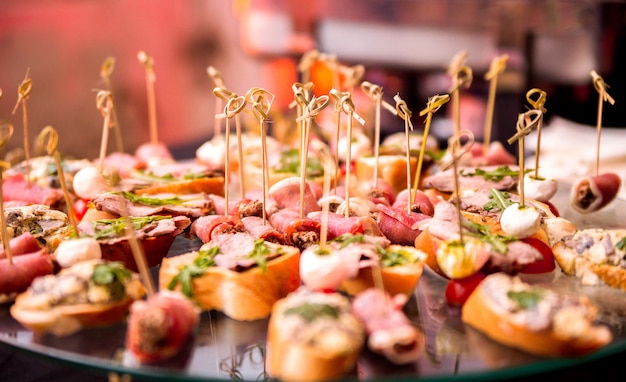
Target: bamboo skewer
[
  {"x": 405, "y": 114},
  {"x": 105, "y": 73},
  {"x": 51, "y": 144},
  {"x": 344, "y": 100},
  {"x": 148, "y": 64},
  {"x": 375, "y": 93},
  {"x": 601, "y": 87},
  {"x": 526, "y": 122},
  {"x": 433, "y": 104},
  {"x": 461, "y": 78},
  {"x": 6, "y": 130},
  {"x": 498, "y": 65},
  {"x": 307, "y": 61},
  {"x": 538, "y": 105},
  {"x": 23, "y": 92},
  {"x": 261, "y": 103},
  {"x": 104, "y": 103},
  {"x": 218, "y": 82}
]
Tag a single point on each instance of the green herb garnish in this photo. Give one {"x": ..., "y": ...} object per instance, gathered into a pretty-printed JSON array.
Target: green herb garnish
[
  {"x": 290, "y": 163},
  {"x": 498, "y": 200},
  {"x": 112, "y": 276},
  {"x": 199, "y": 266},
  {"x": 483, "y": 232},
  {"x": 393, "y": 258},
  {"x": 526, "y": 299},
  {"x": 165, "y": 178},
  {"x": 621, "y": 245},
  {"x": 496, "y": 175},
  {"x": 148, "y": 201},
  {"x": 106, "y": 228},
  {"x": 311, "y": 311},
  {"x": 259, "y": 254},
  {"x": 347, "y": 238}
]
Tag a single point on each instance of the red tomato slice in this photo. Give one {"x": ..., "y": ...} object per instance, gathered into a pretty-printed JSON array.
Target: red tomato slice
[
  {"x": 459, "y": 290},
  {"x": 544, "y": 265},
  {"x": 80, "y": 207},
  {"x": 553, "y": 208}
]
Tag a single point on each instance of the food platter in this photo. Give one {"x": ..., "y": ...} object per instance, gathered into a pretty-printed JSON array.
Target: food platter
[{"x": 226, "y": 349}]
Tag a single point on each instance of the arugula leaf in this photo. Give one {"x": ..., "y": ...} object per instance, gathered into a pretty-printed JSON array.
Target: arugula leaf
[
  {"x": 187, "y": 273},
  {"x": 495, "y": 175},
  {"x": 311, "y": 311},
  {"x": 290, "y": 163},
  {"x": 621, "y": 245},
  {"x": 106, "y": 228},
  {"x": 526, "y": 299},
  {"x": 260, "y": 253},
  {"x": 483, "y": 232},
  {"x": 148, "y": 201},
  {"x": 498, "y": 200},
  {"x": 347, "y": 238},
  {"x": 112, "y": 276}
]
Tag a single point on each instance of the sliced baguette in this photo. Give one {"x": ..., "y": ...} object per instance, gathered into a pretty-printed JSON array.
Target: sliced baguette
[
  {"x": 571, "y": 330},
  {"x": 243, "y": 296}
]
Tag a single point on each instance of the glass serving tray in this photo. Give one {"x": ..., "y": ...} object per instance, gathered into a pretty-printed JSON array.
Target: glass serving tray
[{"x": 223, "y": 349}]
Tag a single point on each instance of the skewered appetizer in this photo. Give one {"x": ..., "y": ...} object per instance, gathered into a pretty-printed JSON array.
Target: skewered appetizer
[
  {"x": 89, "y": 294},
  {"x": 233, "y": 268}
]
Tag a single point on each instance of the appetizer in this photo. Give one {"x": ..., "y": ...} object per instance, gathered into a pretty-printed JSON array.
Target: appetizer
[
  {"x": 160, "y": 326},
  {"x": 591, "y": 193},
  {"x": 595, "y": 255},
  {"x": 89, "y": 294},
  {"x": 534, "y": 319},
  {"x": 313, "y": 336},
  {"x": 233, "y": 268}
]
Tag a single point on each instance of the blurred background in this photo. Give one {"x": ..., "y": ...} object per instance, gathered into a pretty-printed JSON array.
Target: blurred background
[{"x": 405, "y": 47}]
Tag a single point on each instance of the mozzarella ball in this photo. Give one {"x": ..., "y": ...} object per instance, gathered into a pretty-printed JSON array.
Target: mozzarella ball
[
  {"x": 89, "y": 182},
  {"x": 520, "y": 221},
  {"x": 541, "y": 189},
  {"x": 70, "y": 252},
  {"x": 323, "y": 271}
]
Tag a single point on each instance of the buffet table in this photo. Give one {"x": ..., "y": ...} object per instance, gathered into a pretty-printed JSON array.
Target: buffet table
[{"x": 225, "y": 349}]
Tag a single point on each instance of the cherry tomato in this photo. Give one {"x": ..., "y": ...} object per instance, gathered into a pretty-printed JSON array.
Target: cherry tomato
[
  {"x": 459, "y": 290},
  {"x": 544, "y": 265},
  {"x": 552, "y": 208},
  {"x": 80, "y": 207}
]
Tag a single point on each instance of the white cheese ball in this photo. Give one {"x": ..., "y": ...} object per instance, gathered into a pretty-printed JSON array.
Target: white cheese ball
[
  {"x": 89, "y": 182},
  {"x": 73, "y": 251},
  {"x": 520, "y": 221},
  {"x": 541, "y": 189}
]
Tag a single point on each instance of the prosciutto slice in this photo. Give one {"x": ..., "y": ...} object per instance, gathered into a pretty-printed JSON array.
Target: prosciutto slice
[
  {"x": 22, "y": 244},
  {"x": 400, "y": 226},
  {"x": 592, "y": 193},
  {"x": 389, "y": 331},
  {"x": 16, "y": 188},
  {"x": 300, "y": 233},
  {"x": 159, "y": 327},
  {"x": 339, "y": 224},
  {"x": 206, "y": 228},
  {"x": 422, "y": 203},
  {"x": 17, "y": 277},
  {"x": 192, "y": 205},
  {"x": 286, "y": 193},
  {"x": 254, "y": 225}
]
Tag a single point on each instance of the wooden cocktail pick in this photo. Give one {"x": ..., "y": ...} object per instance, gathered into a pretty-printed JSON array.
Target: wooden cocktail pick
[
  {"x": 261, "y": 101},
  {"x": 106, "y": 70},
  {"x": 601, "y": 87},
  {"x": 307, "y": 61},
  {"x": 23, "y": 92},
  {"x": 375, "y": 92},
  {"x": 218, "y": 82},
  {"x": 498, "y": 65},
  {"x": 526, "y": 122},
  {"x": 49, "y": 139},
  {"x": 537, "y": 104},
  {"x": 457, "y": 151},
  {"x": 352, "y": 76},
  {"x": 104, "y": 103},
  {"x": 148, "y": 64},
  {"x": 461, "y": 78},
  {"x": 434, "y": 103},
  {"x": 312, "y": 109},
  {"x": 327, "y": 162},
  {"x": 405, "y": 114},
  {"x": 234, "y": 106},
  {"x": 6, "y": 132},
  {"x": 344, "y": 100}
]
